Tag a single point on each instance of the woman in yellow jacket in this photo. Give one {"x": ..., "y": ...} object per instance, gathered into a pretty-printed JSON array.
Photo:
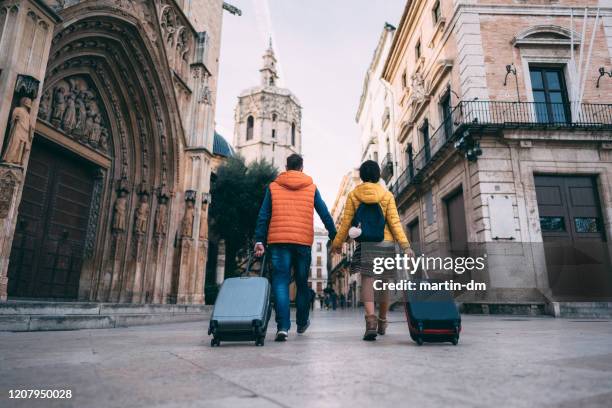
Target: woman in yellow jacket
[{"x": 370, "y": 192}]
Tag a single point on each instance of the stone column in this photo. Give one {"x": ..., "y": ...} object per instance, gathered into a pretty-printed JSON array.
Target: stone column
[
  {"x": 200, "y": 271},
  {"x": 186, "y": 264},
  {"x": 26, "y": 28},
  {"x": 220, "y": 262}
]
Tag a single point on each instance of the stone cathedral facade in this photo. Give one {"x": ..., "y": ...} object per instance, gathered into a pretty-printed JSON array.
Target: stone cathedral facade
[
  {"x": 268, "y": 119},
  {"x": 106, "y": 128}
]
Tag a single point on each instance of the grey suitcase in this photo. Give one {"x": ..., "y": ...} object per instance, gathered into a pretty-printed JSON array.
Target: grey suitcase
[{"x": 242, "y": 309}]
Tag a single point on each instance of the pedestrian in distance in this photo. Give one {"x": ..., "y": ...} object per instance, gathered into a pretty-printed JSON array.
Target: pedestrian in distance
[
  {"x": 371, "y": 214},
  {"x": 313, "y": 296},
  {"x": 285, "y": 226},
  {"x": 334, "y": 299}
]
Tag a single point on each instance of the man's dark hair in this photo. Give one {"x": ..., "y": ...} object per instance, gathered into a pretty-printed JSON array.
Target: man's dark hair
[
  {"x": 369, "y": 171},
  {"x": 295, "y": 162}
]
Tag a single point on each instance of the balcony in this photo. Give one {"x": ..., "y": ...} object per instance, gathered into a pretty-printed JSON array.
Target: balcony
[
  {"x": 386, "y": 168},
  {"x": 488, "y": 116}
]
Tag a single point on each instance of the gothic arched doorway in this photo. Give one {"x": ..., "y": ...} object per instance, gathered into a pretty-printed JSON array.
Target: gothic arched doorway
[{"x": 107, "y": 144}]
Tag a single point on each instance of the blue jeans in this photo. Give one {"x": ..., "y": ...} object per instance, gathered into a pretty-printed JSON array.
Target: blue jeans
[{"x": 284, "y": 257}]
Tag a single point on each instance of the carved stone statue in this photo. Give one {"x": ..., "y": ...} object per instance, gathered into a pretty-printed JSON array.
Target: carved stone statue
[
  {"x": 187, "y": 223},
  {"x": 70, "y": 117},
  {"x": 44, "y": 108},
  {"x": 20, "y": 136},
  {"x": 81, "y": 113},
  {"x": 95, "y": 132},
  {"x": 89, "y": 124},
  {"x": 418, "y": 88},
  {"x": 161, "y": 219},
  {"x": 120, "y": 212},
  {"x": 59, "y": 106},
  {"x": 142, "y": 215},
  {"x": 104, "y": 139}
]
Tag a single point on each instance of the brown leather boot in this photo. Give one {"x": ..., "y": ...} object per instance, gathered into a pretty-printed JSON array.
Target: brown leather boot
[
  {"x": 370, "y": 331},
  {"x": 382, "y": 326}
]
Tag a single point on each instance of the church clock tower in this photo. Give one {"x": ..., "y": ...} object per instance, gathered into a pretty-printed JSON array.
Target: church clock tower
[{"x": 268, "y": 119}]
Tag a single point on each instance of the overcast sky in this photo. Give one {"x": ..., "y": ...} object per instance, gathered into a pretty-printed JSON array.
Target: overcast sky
[{"x": 324, "y": 48}]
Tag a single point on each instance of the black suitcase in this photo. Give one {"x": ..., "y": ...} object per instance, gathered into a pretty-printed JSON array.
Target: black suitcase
[
  {"x": 432, "y": 315},
  {"x": 242, "y": 308}
]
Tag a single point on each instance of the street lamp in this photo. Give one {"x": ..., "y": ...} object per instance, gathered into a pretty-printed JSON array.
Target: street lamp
[
  {"x": 603, "y": 72},
  {"x": 511, "y": 70}
]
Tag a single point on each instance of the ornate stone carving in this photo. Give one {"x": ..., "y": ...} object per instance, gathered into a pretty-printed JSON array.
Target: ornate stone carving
[
  {"x": 94, "y": 212},
  {"x": 161, "y": 218},
  {"x": 76, "y": 108},
  {"x": 168, "y": 24},
  {"x": 141, "y": 217},
  {"x": 44, "y": 106},
  {"x": 27, "y": 85},
  {"x": 188, "y": 218},
  {"x": 418, "y": 88},
  {"x": 120, "y": 211},
  {"x": 20, "y": 135},
  {"x": 8, "y": 184},
  {"x": 177, "y": 34},
  {"x": 59, "y": 106},
  {"x": 205, "y": 95}
]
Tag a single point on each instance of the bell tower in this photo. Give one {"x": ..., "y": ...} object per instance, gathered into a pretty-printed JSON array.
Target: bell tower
[
  {"x": 269, "y": 74},
  {"x": 268, "y": 118}
]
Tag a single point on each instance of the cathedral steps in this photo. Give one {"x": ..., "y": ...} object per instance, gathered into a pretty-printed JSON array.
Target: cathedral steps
[{"x": 43, "y": 316}]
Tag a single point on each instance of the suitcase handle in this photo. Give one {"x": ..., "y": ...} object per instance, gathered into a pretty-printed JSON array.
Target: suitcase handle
[{"x": 252, "y": 260}]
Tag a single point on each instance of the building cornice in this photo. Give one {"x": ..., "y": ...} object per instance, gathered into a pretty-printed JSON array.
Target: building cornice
[
  {"x": 406, "y": 25},
  {"x": 388, "y": 30}
]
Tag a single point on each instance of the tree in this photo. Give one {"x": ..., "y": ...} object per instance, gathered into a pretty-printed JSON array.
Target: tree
[{"x": 237, "y": 195}]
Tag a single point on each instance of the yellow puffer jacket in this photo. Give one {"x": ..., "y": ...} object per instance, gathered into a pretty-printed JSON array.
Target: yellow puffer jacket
[{"x": 370, "y": 193}]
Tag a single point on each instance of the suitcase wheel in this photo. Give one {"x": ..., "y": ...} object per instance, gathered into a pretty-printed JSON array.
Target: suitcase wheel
[
  {"x": 419, "y": 341},
  {"x": 260, "y": 341},
  {"x": 215, "y": 342}
]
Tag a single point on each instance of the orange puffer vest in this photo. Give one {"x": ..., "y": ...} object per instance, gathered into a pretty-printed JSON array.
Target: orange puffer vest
[{"x": 292, "y": 209}]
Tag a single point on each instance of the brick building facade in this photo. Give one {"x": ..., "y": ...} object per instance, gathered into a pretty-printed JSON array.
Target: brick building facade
[{"x": 504, "y": 122}]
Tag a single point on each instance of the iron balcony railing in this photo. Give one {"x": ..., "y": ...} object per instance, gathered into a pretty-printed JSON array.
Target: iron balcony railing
[
  {"x": 494, "y": 116},
  {"x": 386, "y": 167}
]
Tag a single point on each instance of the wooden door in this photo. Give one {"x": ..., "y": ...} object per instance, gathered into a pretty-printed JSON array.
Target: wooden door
[
  {"x": 457, "y": 229},
  {"x": 48, "y": 244},
  {"x": 457, "y": 233},
  {"x": 577, "y": 254}
]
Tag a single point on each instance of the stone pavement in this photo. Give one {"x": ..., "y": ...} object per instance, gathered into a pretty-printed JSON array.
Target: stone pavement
[{"x": 499, "y": 362}]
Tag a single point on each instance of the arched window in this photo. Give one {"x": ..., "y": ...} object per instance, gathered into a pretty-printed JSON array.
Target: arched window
[
  {"x": 249, "y": 129},
  {"x": 293, "y": 134},
  {"x": 274, "y": 117}
]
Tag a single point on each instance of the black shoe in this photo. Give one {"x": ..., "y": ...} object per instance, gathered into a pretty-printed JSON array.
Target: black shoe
[
  {"x": 302, "y": 329},
  {"x": 281, "y": 335}
]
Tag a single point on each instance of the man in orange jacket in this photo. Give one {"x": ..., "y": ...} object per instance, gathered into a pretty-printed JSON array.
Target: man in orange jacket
[{"x": 285, "y": 224}]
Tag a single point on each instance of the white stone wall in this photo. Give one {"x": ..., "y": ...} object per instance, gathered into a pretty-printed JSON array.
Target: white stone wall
[
  {"x": 376, "y": 110},
  {"x": 321, "y": 239}
]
